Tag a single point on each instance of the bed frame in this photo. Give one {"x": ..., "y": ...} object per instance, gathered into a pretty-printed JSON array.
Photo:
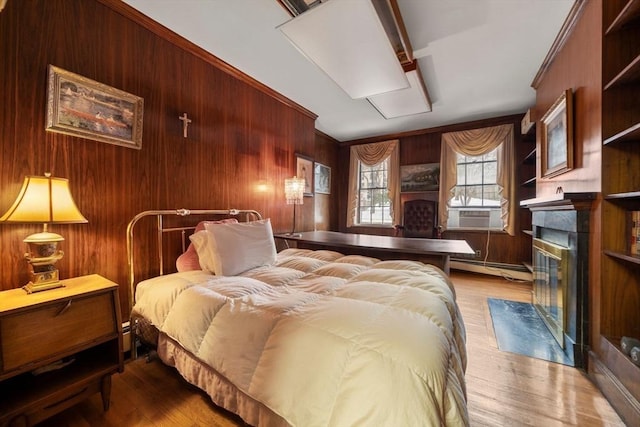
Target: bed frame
[{"x": 161, "y": 230}]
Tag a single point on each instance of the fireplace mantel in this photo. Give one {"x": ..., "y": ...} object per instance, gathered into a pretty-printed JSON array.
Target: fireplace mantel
[{"x": 560, "y": 201}]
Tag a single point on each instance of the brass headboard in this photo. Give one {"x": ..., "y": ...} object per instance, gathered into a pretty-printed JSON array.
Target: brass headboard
[{"x": 161, "y": 230}]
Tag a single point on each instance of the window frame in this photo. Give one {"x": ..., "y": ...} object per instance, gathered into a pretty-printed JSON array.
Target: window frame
[
  {"x": 482, "y": 183},
  {"x": 386, "y": 207}
]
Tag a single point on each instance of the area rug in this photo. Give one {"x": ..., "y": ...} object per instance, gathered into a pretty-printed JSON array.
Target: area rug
[{"x": 519, "y": 329}]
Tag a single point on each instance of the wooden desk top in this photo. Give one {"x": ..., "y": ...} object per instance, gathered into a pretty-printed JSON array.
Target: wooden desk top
[{"x": 386, "y": 243}]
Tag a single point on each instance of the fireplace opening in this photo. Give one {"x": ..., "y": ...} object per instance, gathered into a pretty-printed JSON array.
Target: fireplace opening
[{"x": 550, "y": 280}]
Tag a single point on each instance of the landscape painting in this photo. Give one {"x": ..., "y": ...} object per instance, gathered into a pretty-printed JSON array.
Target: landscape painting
[
  {"x": 82, "y": 107},
  {"x": 417, "y": 178}
]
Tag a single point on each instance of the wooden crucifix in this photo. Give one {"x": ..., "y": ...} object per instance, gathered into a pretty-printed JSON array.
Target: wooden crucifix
[{"x": 185, "y": 123}]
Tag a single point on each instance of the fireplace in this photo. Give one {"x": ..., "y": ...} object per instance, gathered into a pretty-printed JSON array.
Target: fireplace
[{"x": 560, "y": 252}]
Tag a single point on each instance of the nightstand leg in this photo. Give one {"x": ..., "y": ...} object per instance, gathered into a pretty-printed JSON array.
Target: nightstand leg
[{"x": 105, "y": 391}]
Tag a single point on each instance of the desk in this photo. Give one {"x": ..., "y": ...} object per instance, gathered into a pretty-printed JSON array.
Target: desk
[{"x": 429, "y": 251}]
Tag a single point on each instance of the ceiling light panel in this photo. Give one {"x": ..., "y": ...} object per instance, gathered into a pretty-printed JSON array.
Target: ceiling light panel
[
  {"x": 348, "y": 42},
  {"x": 403, "y": 102}
]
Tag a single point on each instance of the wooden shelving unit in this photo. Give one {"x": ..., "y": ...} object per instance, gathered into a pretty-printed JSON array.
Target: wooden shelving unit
[
  {"x": 618, "y": 310},
  {"x": 527, "y": 175},
  {"x": 528, "y": 164}
]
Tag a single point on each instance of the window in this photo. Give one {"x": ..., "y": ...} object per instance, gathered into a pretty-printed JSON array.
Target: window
[
  {"x": 477, "y": 188},
  {"x": 374, "y": 184},
  {"x": 374, "y": 206},
  {"x": 476, "y": 198}
]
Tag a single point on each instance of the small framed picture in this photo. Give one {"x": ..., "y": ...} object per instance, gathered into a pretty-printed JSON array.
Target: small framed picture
[
  {"x": 557, "y": 137},
  {"x": 304, "y": 169},
  {"x": 322, "y": 178}
]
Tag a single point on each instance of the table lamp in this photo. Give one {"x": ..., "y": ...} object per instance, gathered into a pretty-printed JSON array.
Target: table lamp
[
  {"x": 294, "y": 193},
  {"x": 44, "y": 200}
]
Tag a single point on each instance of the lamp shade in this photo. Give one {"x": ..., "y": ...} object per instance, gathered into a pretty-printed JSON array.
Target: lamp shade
[
  {"x": 44, "y": 200},
  {"x": 294, "y": 190}
]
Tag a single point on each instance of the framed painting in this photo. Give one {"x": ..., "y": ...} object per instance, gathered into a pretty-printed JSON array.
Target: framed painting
[
  {"x": 322, "y": 178},
  {"x": 418, "y": 178},
  {"x": 304, "y": 169},
  {"x": 82, "y": 107},
  {"x": 557, "y": 137}
]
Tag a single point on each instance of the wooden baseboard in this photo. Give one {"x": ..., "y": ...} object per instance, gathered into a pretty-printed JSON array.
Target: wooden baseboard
[{"x": 616, "y": 393}]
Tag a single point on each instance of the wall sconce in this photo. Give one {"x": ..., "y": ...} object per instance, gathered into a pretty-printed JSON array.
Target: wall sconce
[
  {"x": 44, "y": 200},
  {"x": 294, "y": 193}
]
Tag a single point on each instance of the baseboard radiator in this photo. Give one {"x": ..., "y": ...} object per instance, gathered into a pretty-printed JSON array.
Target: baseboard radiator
[
  {"x": 508, "y": 271},
  {"x": 126, "y": 337}
]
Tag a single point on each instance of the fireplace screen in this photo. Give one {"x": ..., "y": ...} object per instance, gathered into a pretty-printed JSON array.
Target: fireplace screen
[{"x": 550, "y": 279}]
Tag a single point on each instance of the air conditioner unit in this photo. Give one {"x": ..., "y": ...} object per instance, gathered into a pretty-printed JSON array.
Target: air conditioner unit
[{"x": 474, "y": 218}]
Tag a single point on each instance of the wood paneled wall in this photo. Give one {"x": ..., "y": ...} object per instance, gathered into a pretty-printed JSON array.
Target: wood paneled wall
[
  {"x": 578, "y": 65},
  {"x": 424, "y": 147},
  {"x": 242, "y": 134},
  {"x": 325, "y": 215}
]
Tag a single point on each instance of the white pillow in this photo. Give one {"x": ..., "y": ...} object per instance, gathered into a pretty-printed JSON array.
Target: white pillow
[
  {"x": 200, "y": 240},
  {"x": 236, "y": 248}
]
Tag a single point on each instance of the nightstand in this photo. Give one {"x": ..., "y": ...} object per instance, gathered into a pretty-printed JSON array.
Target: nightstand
[{"x": 57, "y": 348}]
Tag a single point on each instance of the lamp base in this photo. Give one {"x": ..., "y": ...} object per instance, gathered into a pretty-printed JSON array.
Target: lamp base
[
  {"x": 42, "y": 281},
  {"x": 31, "y": 287},
  {"x": 42, "y": 256}
]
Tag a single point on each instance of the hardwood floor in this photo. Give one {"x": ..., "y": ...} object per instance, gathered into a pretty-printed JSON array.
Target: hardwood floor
[{"x": 504, "y": 389}]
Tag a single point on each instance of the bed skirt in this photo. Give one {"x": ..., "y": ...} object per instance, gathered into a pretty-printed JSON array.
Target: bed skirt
[{"x": 221, "y": 391}]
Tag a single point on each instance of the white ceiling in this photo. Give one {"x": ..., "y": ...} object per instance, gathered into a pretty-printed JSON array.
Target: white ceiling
[{"x": 478, "y": 57}]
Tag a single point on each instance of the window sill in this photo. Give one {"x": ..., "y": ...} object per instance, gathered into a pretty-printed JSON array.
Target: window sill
[
  {"x": 476, "y": 230},
  {"x": 383, "y": 226}
]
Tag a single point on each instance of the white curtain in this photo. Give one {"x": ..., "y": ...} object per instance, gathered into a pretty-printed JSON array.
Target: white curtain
[
  {"x": 477, "y": 142},
  {"x": 370, "y": 155}
]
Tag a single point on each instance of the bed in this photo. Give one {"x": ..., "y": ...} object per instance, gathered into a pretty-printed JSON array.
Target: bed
[{"x": 302, "y": 337}]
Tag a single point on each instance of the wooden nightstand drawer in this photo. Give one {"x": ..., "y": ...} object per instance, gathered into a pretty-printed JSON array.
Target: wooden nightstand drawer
[{"x": 53, "y": 329}]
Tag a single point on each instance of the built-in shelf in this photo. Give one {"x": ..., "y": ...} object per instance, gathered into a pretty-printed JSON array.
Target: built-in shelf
[
  {"x": 630, "y": 134},
  {"x": 629, "y": 200},
  {"x": 629, "y": 74},
  {"x": 629, "y": 13},
  {"x": 623, "y": 256},
  {"x": 530, "y": 158},
  {"x": 626, "y": 195},
  {"x": 530, "y": 182}
]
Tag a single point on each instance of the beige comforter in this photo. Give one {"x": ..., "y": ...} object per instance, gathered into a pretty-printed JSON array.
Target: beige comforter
[{"x": 323, "y": 339}]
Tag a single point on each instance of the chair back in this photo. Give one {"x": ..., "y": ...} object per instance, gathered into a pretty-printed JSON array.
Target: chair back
[{"x": 420, "y": 218}]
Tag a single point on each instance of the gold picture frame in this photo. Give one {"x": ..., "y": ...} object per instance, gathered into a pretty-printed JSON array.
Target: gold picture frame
[
  {"x": 557, "y": 137},
  {"x": 82, "y": 107}
]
